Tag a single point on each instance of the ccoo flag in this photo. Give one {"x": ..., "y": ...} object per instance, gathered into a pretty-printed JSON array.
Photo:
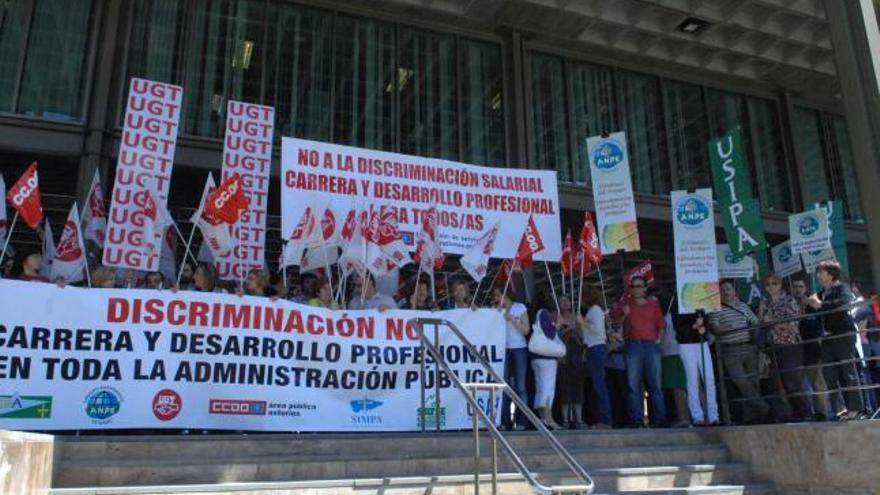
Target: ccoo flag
[{"x": 24, "y": 196}]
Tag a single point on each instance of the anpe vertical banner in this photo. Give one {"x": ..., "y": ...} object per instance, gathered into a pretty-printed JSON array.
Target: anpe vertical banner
[
  {"x": 785, "y": 262},
  {"x": 733, "y": 266},
  {"x": 146, "y": 155},
  {"x": 696, "y": 262},
  {"x": 809, "y": 231},
  {"x": 247, "y": 150},
  {"x": 740, "y": 212},
  {"x": 613, "y": 193}
]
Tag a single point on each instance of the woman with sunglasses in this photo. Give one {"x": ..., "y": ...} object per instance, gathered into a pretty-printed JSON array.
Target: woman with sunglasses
[{"x": 785, "y": 338}]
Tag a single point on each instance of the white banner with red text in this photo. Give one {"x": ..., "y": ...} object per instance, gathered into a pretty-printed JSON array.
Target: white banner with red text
[
  {"x": 247, "y": 150},
  {"x": 146, "y": 156},
  {"x": 74, "y": 358},
  {"x": 469, "y": 198}
]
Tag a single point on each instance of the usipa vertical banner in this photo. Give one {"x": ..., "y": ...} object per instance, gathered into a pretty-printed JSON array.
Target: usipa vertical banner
[
  {"x": 613, "y": 193},
  {"x": 696, "y": 262},
  {"x": 740, "y": 212},
  {"x": 146, "y": 155},
  {"x": 247, "y": 151}
]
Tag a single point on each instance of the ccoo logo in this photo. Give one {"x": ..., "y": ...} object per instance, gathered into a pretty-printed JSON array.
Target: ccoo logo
[
  {"x": 808, "y": 225},
  {"x": 607, "y": 155},
  {"x": 692, "y": 210}
]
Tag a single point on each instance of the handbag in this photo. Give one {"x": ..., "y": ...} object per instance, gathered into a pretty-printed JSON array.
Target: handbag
[{"x": 539, "y": 343}]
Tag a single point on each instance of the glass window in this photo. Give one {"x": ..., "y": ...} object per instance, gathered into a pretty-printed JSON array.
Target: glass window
[
  {"x": 767, "y": 155},
  {"x": 426, "y": 86},
  {"x": 808, "y": 126},
  {"x": 213, "y": 49},
  {"x": 687, "y": 123},
  {"x": 642, "y": 109},
  {"x": 54, "y": 80},
  {"x": 549, "y": 128},
  {"x": 13, "y": 35},
  {"x": 366, "y": 82},
  {"x": 482, "y": 103},
  {"x": 299, "y": 72},
  {"x": 846, "y": 183},
  {"x": 594, "y": 110}
]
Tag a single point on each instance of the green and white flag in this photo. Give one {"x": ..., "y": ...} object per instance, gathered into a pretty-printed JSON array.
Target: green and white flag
[{"x": 740, "y": 212}]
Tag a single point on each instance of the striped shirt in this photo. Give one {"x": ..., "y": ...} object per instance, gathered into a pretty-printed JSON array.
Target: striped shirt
[{"x": 730, "y": 323}]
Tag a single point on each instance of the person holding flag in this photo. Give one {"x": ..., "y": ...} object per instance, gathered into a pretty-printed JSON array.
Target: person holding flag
[{"x": 589, "y": 254}]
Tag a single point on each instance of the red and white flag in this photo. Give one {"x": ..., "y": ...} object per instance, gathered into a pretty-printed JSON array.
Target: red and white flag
[
  {"x": 529, "y": 244},
  {"x": 24, "y": 196},
  {"x": 69, "y": 261},
  {"x": 589, "y": 251},
  {"x": 354, "y": 244},
  {"x": 323, "y": 244},
  {"x": 48, "y": 249},
  {"x": 643, "y": 270},
  {"x": 228, "y": 201},
  {"x": 217, "y": 235},
  {"x": 168, "y": 256},
  {"x": 429, "y": 255},
  {"x": 157, "y": 219},
  {"x": 385, "y": 247},
  {"x": 476, "y": 260},
  {"x": 567, "y": 259},
  {"x": 293, "y": 251},
  {"x": 94, "y": 215}
]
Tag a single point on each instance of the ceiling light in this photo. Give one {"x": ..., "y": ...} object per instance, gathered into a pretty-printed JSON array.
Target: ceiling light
[{"x": 692, "y": 25}]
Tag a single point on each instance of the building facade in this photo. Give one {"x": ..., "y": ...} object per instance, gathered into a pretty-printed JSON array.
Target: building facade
[{"x": 518, "y": 83}]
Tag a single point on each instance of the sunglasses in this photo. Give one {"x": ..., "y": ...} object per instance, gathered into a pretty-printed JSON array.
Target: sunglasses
[{"x": 638, "y": 286}]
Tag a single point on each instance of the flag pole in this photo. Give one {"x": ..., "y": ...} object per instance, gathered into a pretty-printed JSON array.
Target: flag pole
[
  {"x": 570, "y": 275},
  {"x": 180, "y": 236},
  {"x": 581, "y": 286},
  {"x": 552, "y": 288},
  {"x": 326, "y": 261},
  {"x": 509, "y": 276},
  {"x": 602, "y": 285},
  {"x": 476, "y": 291},
  {"x": 240, "y": 260},
  {"x": 186, "y": 253},
  {"x": 491, "y": 285},
  {"x": 9, "y": 236}
]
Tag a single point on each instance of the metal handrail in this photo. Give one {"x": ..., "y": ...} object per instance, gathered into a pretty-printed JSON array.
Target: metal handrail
[{"x": 418, "y": 324}]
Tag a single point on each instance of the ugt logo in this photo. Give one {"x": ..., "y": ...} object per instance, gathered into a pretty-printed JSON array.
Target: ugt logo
[
  {"x": 607, "y": 155},
  {"x": 808, "y": 225},
  {"x": 692, "y": 210}
]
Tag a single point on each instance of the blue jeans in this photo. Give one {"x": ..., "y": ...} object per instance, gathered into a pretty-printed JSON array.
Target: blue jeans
[
  {"x": 516, "y": 365},
  {"x": 596, "y": 359},
  {"x": 643, "y": 360}
]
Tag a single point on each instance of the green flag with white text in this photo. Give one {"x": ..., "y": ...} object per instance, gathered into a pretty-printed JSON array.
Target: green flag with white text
[{"x": 740, "y": 212}]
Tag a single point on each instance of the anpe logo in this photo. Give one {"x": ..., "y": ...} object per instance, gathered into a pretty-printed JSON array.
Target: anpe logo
[
  {"x": 692, "y": 210},
  {"x": 167, "y": 405},
  {"x": 237, "y": 407},
  {"x": 808, "y": 225},
  {"x": 607, "y": 155},
  {"x": 102, "y": 404},
  {"x": 785, "y": 254}
]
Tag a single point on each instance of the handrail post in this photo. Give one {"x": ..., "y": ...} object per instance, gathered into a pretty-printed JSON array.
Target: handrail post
[
  {"x": 494, "y": 442},
  {"x": 474, "y": 415},
  {"x": 422, "y": 383},
  {"x": 437, "y": 378}
]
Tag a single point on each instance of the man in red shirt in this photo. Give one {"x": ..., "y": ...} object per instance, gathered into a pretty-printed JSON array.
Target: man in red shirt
[{"x": 643, "y": 326}]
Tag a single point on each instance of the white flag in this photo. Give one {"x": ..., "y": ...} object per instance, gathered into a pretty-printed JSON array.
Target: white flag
[
  {"x": 354, "y": 245},
  {"x": 157, "y": 219},
  {"x": 322, "y": 244},
  {"x": 94, "y": 215},
  {"x": 476, "y": 260},
  {"x": 70, "y": 254},
  {"x": 168, "y": 258},
  {"x": 48, "y": 249},
  {"x": 303, "y": 234},
  {"x": 2, "y": 210},
  {"x": 217, "y": 235}
]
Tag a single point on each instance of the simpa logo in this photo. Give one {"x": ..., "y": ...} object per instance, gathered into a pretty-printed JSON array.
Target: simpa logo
[
  {"x": 17, "y": 406},
  {"x": 607, "y": 155},
  {"x": 808, "y": 225},
  {"x": 785, "y": 254},
  {"x": 363, "y": 412},
  {"x": 102, "y": 404},
  {"x": 692, "y": 210},
  {"x": 167, "y": 404},
  {"x": 428, "y": 414}
]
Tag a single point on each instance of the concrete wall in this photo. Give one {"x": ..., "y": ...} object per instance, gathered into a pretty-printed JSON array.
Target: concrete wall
[
  {"x": 25, "y": 463},
  {"x": 811, "y": 458}
]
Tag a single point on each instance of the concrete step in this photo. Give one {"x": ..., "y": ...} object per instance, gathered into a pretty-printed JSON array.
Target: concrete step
[
  {"x": 215, "y": 469},
  {"x": 186, "y": 447}
]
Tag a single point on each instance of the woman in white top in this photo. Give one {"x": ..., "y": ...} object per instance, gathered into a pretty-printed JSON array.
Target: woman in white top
[
  {"x": 595, "y": 338},
  {"x": 516, "y": 362}
]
